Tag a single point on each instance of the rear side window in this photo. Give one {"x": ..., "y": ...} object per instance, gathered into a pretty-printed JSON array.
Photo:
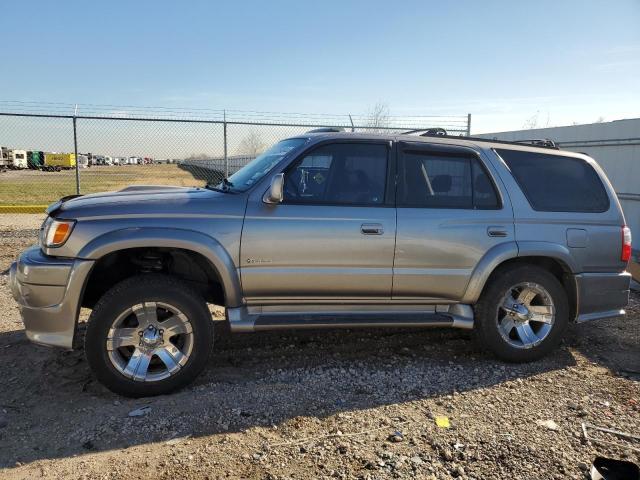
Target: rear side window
[
  {"x": 442, "y": 180},
  {"x": 554, "y": 183}
]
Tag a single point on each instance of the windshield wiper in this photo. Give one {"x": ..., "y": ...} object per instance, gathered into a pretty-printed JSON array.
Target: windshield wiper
[{"x": 227, "y": 183}]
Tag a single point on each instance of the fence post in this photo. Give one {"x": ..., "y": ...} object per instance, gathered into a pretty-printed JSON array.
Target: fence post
[
  {"x": 226, "y": 158},
  {"x": 468, "y": 124},
  {"x": 75, "y": 149}
]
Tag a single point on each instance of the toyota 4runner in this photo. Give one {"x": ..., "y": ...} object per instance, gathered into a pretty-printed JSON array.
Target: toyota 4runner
[{"x": 331, "y": 230}]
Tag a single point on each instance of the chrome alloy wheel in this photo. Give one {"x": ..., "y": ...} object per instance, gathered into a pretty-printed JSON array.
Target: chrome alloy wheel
[
  {"x": 526, "y": 315},
  {"x": 150, "y": 341}
]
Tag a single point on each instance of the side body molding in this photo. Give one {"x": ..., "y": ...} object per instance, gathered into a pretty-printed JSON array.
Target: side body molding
[{"x": 205, "y": 245}]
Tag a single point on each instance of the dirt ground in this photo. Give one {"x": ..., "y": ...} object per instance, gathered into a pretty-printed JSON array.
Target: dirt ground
[{"x": 345, "y": 404}]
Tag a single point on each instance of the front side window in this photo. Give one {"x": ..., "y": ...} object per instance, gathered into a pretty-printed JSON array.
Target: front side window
[
  {"x": 254, "y": 171},
  {"x": 556, "y": 183},
  {"x": 443, "y": 180},
  {"x": 341, "y": 174}
]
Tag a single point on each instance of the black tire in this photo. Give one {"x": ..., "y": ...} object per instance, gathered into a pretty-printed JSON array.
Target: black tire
[
  {"x": 134, "y": 291},
  {"x": 486, "y": 312}
]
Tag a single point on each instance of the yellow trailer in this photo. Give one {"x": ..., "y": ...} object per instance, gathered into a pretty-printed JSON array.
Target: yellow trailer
[{"x": 61, "y": 160}]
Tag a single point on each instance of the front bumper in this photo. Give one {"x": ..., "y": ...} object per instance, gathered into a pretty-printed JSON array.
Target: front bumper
[
  {"x": 602, "y": 295},
  {"x": 48, "y": 292}
]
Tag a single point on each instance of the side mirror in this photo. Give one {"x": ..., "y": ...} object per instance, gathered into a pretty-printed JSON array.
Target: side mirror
[{"x": 275, "y": 194}]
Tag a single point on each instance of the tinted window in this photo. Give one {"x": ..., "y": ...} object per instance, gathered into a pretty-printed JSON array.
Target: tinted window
[
  {"x": 436, "y": 180},
  {"x": 251, "y": 173},
  {"x": 339, "y": 174},
  {"x": 484, "y": 193},
  {"x": 554, "y": 183}
]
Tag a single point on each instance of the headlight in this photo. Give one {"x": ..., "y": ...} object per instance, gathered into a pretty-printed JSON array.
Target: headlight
[{"x": 55, "y": 232}]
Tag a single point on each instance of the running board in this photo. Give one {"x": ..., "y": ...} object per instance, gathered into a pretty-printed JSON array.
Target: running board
[{"x": 255, "y": 319}]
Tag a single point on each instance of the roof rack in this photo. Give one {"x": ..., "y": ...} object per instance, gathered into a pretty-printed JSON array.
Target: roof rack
[
  {"x": 427, "y": 132},
  {"x": 441, "y": 132},
  {"x": 540, "y": 142}
]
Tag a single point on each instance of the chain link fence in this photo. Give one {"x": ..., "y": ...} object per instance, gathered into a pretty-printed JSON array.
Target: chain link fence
[{"x": 45, "y": 156}]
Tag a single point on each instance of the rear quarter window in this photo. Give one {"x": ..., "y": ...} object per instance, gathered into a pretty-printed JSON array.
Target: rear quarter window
[{"x": 555, "y": 183}]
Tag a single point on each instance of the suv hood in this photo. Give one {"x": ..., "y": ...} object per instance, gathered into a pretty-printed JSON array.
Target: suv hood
[{"x": 143, "y": 199}]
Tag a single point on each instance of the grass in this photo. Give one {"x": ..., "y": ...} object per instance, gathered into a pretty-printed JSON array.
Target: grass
[{"x": 33, "y": 188}]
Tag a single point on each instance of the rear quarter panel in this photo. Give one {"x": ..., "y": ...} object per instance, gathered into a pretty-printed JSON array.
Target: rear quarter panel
[{"x": 592, "y": 241}]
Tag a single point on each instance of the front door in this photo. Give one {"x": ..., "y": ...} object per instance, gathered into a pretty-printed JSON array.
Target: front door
[
  {"x": 332, "y": 238},
  {"x": 449, "y": 215}
]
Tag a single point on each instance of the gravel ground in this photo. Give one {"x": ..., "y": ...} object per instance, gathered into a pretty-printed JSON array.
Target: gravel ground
[
  {"x": 359, "y": 404},
  {"x": 17, "y": 232}
]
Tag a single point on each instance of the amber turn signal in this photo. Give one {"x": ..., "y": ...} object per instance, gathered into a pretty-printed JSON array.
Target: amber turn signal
[{"x": 58, "y": 232}]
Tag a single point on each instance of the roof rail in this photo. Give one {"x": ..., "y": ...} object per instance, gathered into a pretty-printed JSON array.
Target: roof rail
[
  {"x": 326, "y": 130},
  {"x": 427, "y": 131},
  {"x": 540, "y": 142},
  {"x": 441, "y": 132}
]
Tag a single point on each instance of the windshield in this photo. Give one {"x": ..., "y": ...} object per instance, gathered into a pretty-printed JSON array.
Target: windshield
[{"x": 252, "y": 172}]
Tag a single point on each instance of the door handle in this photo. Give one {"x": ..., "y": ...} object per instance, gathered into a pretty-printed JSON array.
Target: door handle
[
  {"x": 371, "y": 229},
  {"x": 497, "y": 232}
]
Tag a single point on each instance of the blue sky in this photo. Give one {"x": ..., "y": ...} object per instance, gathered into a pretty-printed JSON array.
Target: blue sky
[{"x": 502, "y": 61}]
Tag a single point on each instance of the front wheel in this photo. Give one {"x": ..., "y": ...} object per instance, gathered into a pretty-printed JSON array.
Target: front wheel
[
  {"x": 148, "y": 335},
  {"x": 522, "y": 314}
]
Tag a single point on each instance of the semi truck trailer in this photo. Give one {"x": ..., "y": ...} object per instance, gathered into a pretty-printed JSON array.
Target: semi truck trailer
[{"x": 60, "y": 160}]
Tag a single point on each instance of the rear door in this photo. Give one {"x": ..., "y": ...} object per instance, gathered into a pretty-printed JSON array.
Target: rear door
[
  {"x": 450, "y": 214},
  {"x": 332, "y": 238}
]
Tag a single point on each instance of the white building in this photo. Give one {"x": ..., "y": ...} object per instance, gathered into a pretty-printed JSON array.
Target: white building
[{"x": 614, "y": 145}]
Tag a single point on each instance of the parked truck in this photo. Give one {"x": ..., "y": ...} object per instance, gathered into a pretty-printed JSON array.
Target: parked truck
[
  {"x": 60, "y": 161},
  {"x": 35, "y": 159},
  {"x": 83, "y": 161},
  {"x": 18, "y": 159},
  {"x": 4, "y": 157}
]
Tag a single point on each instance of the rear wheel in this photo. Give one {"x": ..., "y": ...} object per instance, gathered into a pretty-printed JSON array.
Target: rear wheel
[
  {"x": 522, "y": 314},
  {"x": 148, "y": 335}
]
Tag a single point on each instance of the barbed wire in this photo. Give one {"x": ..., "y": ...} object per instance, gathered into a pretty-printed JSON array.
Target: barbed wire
[{"x": 449, "y": 122}]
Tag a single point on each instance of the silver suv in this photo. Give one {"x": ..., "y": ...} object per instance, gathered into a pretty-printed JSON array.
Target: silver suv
[{"x": 331, "y": 230}]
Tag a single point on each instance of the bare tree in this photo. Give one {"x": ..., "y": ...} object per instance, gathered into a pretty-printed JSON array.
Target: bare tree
[
  {"x": 531, "y": 122},
  {"x": 379, "y": 117},
  {"x": 251, "y": 145},
  {"x": 534, "y": 121}
]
